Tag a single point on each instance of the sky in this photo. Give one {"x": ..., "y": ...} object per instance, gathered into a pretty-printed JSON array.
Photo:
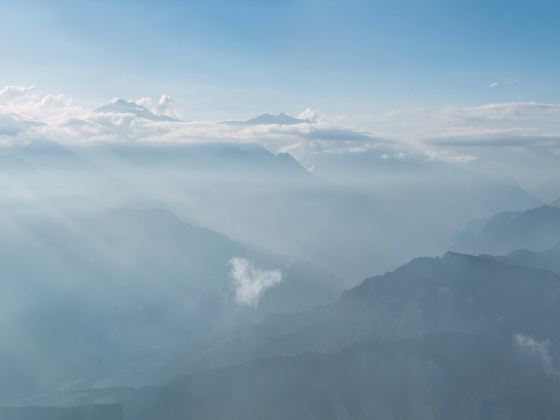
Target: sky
[{"x": 236, "y": 59}]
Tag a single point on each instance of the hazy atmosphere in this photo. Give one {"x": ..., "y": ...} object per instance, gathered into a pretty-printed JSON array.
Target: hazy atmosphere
[{"x": 279, "y": 210}]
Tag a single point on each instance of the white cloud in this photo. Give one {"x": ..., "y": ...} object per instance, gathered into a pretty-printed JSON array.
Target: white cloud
[
  {"x": 250, "y": 282},
  {"x": 30, "y": 103},
  {"x": 12, "y": 125},
  {"x": 310, "y": 114},
  {"x": 493, "y": 84},
  {"x": 499, "y": 124},
  {"x": 165, "y": 105},
  {"x": 513, "y": 112}
]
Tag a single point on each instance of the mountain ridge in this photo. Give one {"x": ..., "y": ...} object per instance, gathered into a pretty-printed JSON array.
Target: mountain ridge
[{"x": 535, "y": 229}]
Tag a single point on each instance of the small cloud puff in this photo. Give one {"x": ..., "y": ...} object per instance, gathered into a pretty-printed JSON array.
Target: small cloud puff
[
  {"x": 250, "y": 282},
  {"x": 540, "y": 350},
  {"x": 509, "y": 81},
  {"x": 310, "y": 115}
]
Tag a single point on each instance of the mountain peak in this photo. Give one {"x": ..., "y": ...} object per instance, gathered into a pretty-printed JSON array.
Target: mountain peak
[{"x": 271, "y": 119}]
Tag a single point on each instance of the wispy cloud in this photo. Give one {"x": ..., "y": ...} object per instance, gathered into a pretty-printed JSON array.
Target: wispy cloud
[
  {"x": 505, "y": 82},
  {"x": 500, "y": 124},
  {"x": 513, "y": 112},
  {"x": 250, "y": 282}
]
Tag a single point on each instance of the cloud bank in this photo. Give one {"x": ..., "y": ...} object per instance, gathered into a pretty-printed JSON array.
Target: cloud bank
[{"x": 27, "y": 114}]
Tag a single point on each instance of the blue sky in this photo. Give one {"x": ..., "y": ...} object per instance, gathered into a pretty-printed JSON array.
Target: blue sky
[{"x": 239, "y": 58}]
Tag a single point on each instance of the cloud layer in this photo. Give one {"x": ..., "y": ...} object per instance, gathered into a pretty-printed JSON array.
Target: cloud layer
[{"x": 26, "y": 114}]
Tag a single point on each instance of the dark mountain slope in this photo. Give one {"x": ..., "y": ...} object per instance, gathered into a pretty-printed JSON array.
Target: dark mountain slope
[
  {"x": 439, "y": 376},
  {"x": 455, "y": 293},
  {"x": 457, "y": 337}
]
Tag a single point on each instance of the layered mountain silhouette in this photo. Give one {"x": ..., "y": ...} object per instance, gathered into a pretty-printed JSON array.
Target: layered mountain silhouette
[
  {"x": 439, "y": 376},
  {"x": 548, "y": 259},
  {"x": 434, "y": 197},
  {"x": 453, "y": 294},
  {"x": 536, "y": 229},
  {"x": 439, "y": 338},
  {"x": 91, "y": 288},
  {"x": 243, "y": 191},
  {"x": 110, "y": 295}
]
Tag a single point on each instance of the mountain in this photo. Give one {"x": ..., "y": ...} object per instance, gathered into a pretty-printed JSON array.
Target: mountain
[
  {"x": 547, "y": 260},
  {"x": 268, "y": 119},
  {"x": 434, "y": 197},
  {"x": 535, "y": 169},
  {"x": 440, "y": 376},
  {"x": 253, "y": 196},
  {"x": 103, "y": 293},
  {"x": 241, "y": 190},
  {"x": 120, "y": 106},
  {"x": 536, "y": 229},
  {"x": 556, "y": 203},
  {"x": 453, "y": 294},
  {"x": 439, "y": 338}
]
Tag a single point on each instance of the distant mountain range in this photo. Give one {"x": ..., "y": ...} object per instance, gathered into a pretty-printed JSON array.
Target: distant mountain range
[
  {"x": 434, "y": 197},
  {"x": 440, "y": 376},
  {"x": 536, "y": 229},
  {"x": 548, "y": 259},
  {"x": 120, "y": 106},
  {"x": 446, "y": 341},
  {"x": 455, "y": 293},
  {"x": 241, "y": 190},
  {"x": 439, "y": 338},
  {"x": 272, "y": 201},
  {"x": 269, "y": 119},
  {"x": 121, "y": 298},
  {"x": 121, "y": 280}
]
